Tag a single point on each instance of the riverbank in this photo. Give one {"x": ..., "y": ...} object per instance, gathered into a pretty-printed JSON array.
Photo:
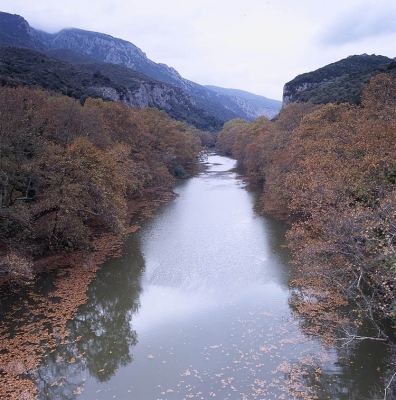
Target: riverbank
[
  {"x": 197, "y": 306},
  {"x": 43, "y": 319}
]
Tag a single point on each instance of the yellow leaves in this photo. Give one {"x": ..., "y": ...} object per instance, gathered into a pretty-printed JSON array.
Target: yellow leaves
[
  {"x": 35, "y": 337},
  {"x": 79, "y": 178},
  {"x": 79, "y": 390}
]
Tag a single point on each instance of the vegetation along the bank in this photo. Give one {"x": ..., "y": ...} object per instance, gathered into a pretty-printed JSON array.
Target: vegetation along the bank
[
  {"x": 330, "y": 171},
  {"x": 68, "y": 169}
]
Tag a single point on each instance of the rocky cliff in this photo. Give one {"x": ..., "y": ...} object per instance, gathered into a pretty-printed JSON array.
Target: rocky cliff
[
  {"x": 117, "y": 51},
  {"x": 109, "y": 49},
  {"x": 86, "y": 77},
  {"x": 158, "y": 95},
  {"x": 106, "y": 48}
]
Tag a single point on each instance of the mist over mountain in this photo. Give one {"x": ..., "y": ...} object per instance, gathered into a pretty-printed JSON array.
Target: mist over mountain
[{"x": 16, "y": 31}]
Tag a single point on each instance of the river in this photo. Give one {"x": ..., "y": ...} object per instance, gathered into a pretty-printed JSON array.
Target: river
[{"x": 197, "y": 308}]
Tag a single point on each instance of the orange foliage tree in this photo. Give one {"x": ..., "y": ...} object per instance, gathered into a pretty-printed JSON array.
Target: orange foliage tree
[
  {"x": 331, "y": 172},
  {"x": 64, "y": 166}
]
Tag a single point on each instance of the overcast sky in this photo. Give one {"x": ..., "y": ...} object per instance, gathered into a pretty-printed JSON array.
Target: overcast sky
[{"x": 253, "y": 45}]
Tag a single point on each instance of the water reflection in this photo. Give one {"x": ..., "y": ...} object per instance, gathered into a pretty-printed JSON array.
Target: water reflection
[
  {"x": 205, "y": 249},
  {"x": 217, "y": 244},
  {"x": 101, "y": 338},
  {"x": 198, "y": 308}
]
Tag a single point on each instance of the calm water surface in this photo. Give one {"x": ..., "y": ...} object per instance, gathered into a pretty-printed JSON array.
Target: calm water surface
[{"x": 198, "y": 308}]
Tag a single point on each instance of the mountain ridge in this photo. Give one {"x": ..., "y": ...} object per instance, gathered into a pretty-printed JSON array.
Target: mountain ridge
[
  {"x": 253, "y": 104},
  {"x": 16, "y": 31},
  {"x": 91, "y": 78},
  {"x": 338, "y": 82},
  {"x": 107, "y": 48}
]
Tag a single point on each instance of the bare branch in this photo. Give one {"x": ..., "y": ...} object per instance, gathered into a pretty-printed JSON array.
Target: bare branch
[{"x": 388, "y": 386}]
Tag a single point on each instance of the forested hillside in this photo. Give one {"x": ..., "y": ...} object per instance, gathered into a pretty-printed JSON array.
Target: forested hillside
[
  {"x": 339, "y": 82},
  {"x": 65, "y": 168},
  {"x": 330, "y": 171},
  {"x": 82, "y": 77}
]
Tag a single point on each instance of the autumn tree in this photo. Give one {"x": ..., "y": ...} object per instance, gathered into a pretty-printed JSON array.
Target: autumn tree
[
  {"x": 330, "y": 171},
  {"x": 65, "y": 168},
  {"x": 21, "y": 128},
  {"x": 228, "y": 134},
  {"x": 344, "y": 239}
]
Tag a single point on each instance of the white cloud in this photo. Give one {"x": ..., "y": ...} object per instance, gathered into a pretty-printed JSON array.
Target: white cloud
[{"x": 361, "y": 23}]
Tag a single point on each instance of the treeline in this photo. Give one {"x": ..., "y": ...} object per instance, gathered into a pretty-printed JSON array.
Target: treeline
[
  {"x": 65, "y": 167},
  {"x": 81, "y": 77},
  {"x": 330, "y": 171}
]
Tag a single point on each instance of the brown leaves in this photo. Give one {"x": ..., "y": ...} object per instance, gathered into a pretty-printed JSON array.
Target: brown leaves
[
  {"x": 66, "y": 168},
  {"x": 329, "y": 170},
  {"x": 42, "y": 327},
  {"x": 16, "y": 268}
]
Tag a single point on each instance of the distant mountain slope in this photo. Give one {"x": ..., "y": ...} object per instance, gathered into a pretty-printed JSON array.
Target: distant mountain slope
[
  {"x": 253, "y": 104},
  {"x": 342, "y": 81},
  {"x": 90, "y": 78},
  {"x": 16, "y": 31},
  {"x": 105, "y": 48},
  {"x": 108, "y": 49},
  {"x": 19, "y": 66}
]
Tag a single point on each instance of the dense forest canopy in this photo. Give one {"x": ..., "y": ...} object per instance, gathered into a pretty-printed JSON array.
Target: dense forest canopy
[
  {"x": 339, "y": 82},
  {"x": 64, "y": 166},
  {"x": 330, "y": 171}
]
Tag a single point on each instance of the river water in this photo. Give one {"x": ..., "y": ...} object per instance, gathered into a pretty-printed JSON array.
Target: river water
[{"x": 197, "y": 308}]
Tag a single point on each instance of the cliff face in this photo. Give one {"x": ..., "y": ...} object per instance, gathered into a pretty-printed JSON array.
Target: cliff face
[
  {"x": 158, "y": 95},
  {"x": 290, "y": 90},
  {"x": 89, "y": 78},
  {"x": 101, "y": 47},
  {"x": 255, "y": 110},
  {"x": 117, "y": 51},
  {"x": 108, "y": 49},
  {"x": 253, "y": 105}
]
